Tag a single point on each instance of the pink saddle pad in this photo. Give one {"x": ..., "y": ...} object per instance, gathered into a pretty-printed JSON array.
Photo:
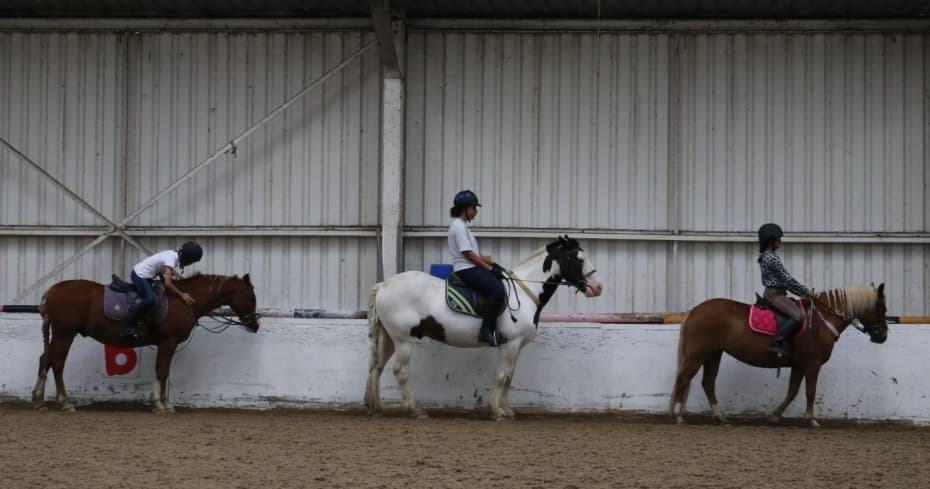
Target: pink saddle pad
[{"x": 763, "y": 320}]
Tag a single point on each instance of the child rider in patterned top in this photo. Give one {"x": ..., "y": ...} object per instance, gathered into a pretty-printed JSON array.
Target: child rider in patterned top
[{"x": 777, "y": 281}]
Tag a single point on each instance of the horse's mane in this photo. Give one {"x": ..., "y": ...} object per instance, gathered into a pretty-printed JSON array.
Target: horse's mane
[
  {"x": 215, "y": 282},
  {"x": 204, "y": 276},
  {"x": 851, "y": 301}
]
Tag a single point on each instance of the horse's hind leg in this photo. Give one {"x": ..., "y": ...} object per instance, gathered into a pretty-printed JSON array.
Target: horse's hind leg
[
  {"x": 711, "y": 367},
  {"x": 38, "y": 392},
  {"x": 686, "y": 372},
  {"x": 59, "y": 348},
  {"x": 794, "y": 384},
  {"x": 402, "y": 351}
]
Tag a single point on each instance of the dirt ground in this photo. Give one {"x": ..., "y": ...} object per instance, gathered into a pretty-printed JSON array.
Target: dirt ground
[{"x": 106, "y": 447}]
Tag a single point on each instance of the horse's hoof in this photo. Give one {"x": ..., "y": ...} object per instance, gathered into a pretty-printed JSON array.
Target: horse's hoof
[
  {"x": 419, "y": 415},
  {"x": 69, "y": 409},
  {"x": 774, "y": 419},
  {"x": 679, "y": 420},
  {"x": 722, "y": 421},
  {"x": 814, "y": 424},
  {"x": 40, "y": 406}
]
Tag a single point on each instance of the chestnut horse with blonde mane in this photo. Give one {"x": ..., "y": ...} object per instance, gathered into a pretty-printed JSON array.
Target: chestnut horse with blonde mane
[
  {"x": 721, "y": 325},
  {"x": 75, "y": 307}
]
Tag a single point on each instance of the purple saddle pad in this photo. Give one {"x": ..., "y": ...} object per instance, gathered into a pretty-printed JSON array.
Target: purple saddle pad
[{"x": 116, "y": 304}]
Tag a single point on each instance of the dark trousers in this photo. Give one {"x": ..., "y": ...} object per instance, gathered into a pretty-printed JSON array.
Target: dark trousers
[
  {"x": 145, "y": 290},
  {"x": 486, "y": 283}
]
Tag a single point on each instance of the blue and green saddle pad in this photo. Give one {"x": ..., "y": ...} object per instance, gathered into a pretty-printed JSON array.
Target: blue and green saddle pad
[
  {"x": 463, "y": 299},
  {"x": 460, "y": 297}
]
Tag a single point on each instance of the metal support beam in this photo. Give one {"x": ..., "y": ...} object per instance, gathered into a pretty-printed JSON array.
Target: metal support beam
[
  {"x": 391, "y": 61},
  {"x": 61, "y": 266},
  {"x": 77, "y": 198},
  {"x": 231, "y": 145},
  {"x": 392, "y": 174}
]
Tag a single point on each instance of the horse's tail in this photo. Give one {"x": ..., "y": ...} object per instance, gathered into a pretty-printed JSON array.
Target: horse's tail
[
  {"x": 681, "y": 363},
  {"x": 382, "y": 347},
  {"x": 46, "y": 325}
]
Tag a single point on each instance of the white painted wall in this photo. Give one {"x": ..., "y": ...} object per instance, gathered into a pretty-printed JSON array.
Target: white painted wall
[{"x": 570, "y": 367}]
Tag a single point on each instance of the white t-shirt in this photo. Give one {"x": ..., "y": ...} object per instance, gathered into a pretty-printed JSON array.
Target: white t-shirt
[
  {"x": 155, "y": 264},
  {"x": 461, "y": 239}
]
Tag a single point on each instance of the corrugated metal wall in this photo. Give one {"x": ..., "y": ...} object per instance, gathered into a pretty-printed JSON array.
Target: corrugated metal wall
[
  {"x": 107, "y": 112},
  {"x": 642, "y": 133},
  {"x": 824, "y": 133}
]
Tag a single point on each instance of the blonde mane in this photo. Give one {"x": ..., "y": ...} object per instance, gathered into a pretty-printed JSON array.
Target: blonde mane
[{"x": 851, "y": 301}]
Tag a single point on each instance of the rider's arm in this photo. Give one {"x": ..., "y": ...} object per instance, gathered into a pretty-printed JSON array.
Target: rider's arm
[
  {"x": 477, "y": 260},
  {"x": 169, "y": 284},
  {"x": 790, "y": 282}
]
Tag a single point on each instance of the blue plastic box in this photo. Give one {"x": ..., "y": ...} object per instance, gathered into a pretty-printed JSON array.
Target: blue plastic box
[{"x": 441, "y": 270}]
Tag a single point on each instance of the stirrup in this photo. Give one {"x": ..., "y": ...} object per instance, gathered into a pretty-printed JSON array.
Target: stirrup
[
  {"x": 777, "y": 349},
  {"x": 133, "y": 331}
]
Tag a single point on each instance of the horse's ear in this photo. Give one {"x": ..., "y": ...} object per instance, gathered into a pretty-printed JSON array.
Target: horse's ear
[
  {"x": 247, "y": 279},
  {"x": 881, "y": 290},
  {"x": 553, "y": 245},
  {"x": 547, "y": 263}
]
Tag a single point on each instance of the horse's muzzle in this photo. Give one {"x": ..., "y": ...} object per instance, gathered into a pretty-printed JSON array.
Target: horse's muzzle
[
  {"x": 593, "y": 288},
  {"x": 879, "y": 337}
]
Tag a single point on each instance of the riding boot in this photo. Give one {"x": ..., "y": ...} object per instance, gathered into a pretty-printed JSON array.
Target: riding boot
[
  {"x": 130, "y": 324},
  {"x": 489, "y": 334},
  {"x": 787, "y": 329}
]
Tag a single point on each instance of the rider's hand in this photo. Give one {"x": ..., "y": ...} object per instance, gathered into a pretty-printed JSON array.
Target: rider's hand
[
  {"x": 497, "y": 271},
  {"x": 188, "y": 299}
]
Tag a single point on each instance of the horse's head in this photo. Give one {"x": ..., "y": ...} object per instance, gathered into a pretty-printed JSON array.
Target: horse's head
[
  {"x": 566, "y": 260},
  {"x": 241, "y": 299},
  {"x": 873, "y": 319}
]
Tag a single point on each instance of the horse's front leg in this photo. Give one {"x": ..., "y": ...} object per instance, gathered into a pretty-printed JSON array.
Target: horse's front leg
[
  {"x": 160, "y": 386},
  {"x": 794, "y": 384},
  {"x": 503, "y": 377},
  {"x": 810, "y": 384}
]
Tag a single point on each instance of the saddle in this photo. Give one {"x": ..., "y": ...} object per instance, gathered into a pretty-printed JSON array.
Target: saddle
[
  {"x": 462, "y": 298},
  {"x": 120, "y": 294},
  {"x": 765, "y": 319}
]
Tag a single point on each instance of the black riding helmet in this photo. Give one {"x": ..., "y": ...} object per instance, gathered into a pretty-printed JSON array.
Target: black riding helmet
[
  {"x": 466, "y": 198},
  {"x": 190, "y": 252},
  {"x": 768, "y": 233}
]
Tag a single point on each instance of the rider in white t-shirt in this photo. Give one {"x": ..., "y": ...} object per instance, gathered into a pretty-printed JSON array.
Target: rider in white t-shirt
[
  {"x": 143, "y": 273},
  {"x": 477, "y": 271}
]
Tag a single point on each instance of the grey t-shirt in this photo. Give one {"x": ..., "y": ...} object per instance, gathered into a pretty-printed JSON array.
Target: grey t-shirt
[{"x": 461, "y": 239}]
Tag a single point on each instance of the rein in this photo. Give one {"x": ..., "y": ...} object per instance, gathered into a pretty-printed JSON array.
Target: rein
[{"x": 226, "y": 322}]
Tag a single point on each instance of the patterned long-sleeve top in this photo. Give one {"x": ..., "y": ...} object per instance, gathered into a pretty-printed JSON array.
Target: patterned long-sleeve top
[{"x": 775, "y": 275}]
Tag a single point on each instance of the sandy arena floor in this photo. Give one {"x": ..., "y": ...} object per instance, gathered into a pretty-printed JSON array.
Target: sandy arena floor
[{"x": 122, "y": 448}]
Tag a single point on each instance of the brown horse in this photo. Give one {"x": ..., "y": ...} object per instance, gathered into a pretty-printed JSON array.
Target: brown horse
[
  {"x": 76, "y": 306},
  {"x": 721, "y": 325}
]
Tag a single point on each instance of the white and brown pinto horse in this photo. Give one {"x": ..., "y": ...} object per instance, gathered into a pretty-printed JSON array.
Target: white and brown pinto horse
[{"x": 411, "y": 305}]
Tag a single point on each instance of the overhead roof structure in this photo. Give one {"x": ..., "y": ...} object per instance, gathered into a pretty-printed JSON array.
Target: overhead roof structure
[{"x": 490, "y": 9}]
